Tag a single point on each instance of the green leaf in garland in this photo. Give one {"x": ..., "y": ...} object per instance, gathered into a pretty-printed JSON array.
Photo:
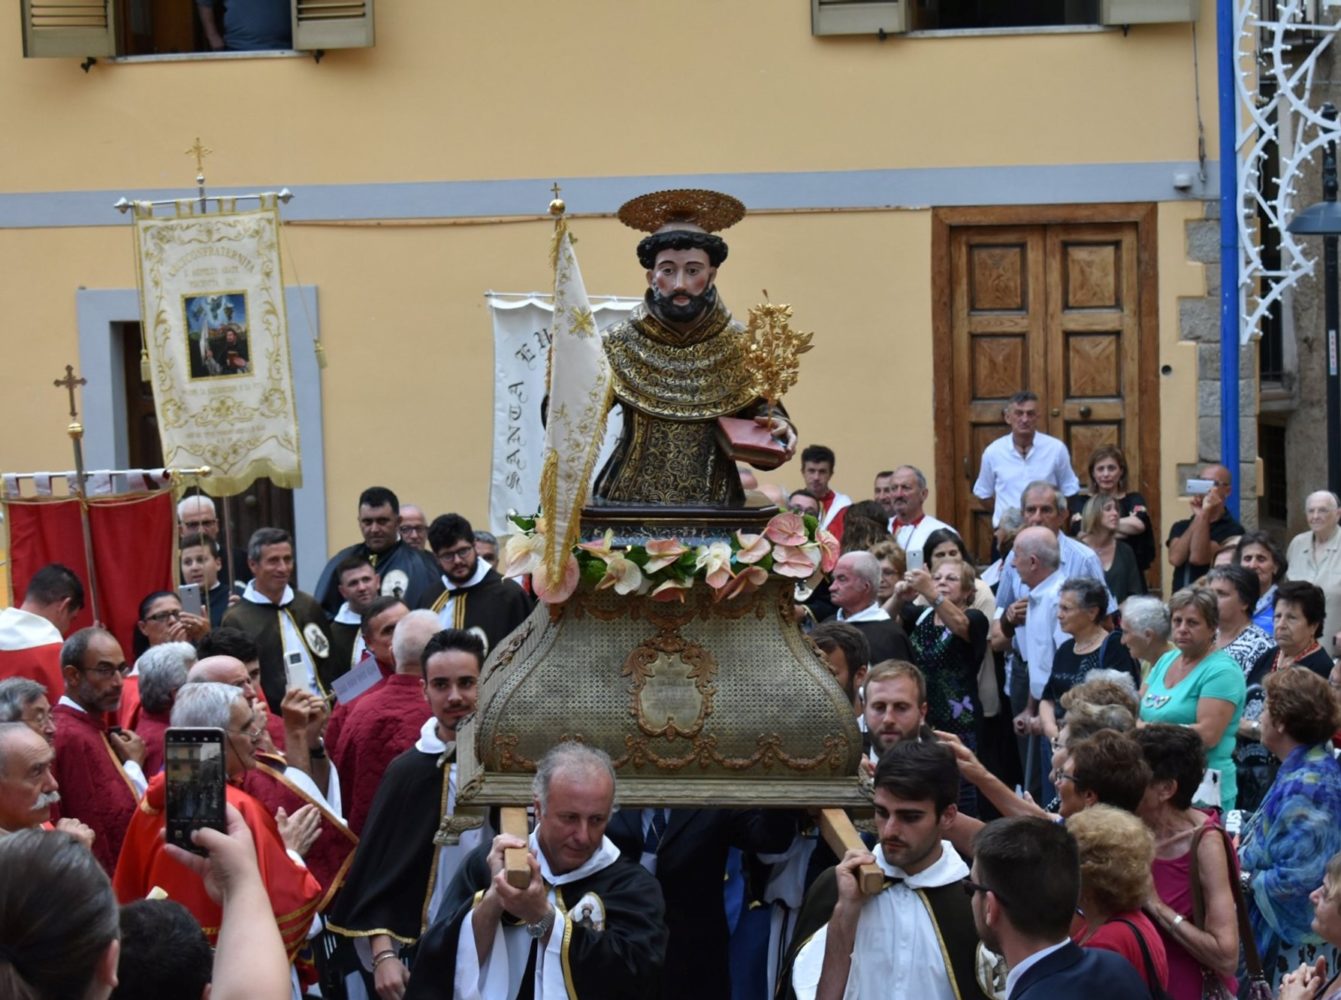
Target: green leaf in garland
[
  {"x": 593, "y": 570},
  {"x": 525, "y": 523}
]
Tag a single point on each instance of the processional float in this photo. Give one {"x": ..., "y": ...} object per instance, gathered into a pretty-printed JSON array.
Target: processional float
[{"x": 665, "y": 633}]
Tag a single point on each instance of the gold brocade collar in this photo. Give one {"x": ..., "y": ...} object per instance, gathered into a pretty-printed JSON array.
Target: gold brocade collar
[{"x": 696, "y": 375}]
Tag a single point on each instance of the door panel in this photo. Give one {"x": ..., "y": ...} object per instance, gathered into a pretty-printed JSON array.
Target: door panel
[
  {"x": 998, "y": 321},
  {"x": 1092, "y": 330},
  {"x": 1054, "y": 309}
]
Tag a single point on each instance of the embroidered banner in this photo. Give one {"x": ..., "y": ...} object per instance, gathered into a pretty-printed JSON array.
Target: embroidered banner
[
  {"x": 522, "y": 334},
  {"x": 212, "y": 307}
]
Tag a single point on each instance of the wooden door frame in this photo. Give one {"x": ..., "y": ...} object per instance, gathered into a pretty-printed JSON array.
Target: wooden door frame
[{"x": 1146, "y": 479}]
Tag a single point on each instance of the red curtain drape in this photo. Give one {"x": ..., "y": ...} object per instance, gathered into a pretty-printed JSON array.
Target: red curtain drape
[{"x": 132, "y": 544}]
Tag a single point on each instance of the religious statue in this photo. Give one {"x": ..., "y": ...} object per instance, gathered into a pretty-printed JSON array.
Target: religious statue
[{"x": 680, "y": 362}]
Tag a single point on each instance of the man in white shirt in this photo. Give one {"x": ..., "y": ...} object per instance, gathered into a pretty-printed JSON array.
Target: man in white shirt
[
  {"x": 1044, "y": 507},
  {"x": 902, "y": 493},
  {"x": 1315, "y": 557},
  {"x": 1036, "y": 561},
  {"x": 915, "y": 937},
  {"x": 1025, "y": 454}
]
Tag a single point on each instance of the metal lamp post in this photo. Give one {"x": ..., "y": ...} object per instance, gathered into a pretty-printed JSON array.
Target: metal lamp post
[{"x": 1324, "y": 219}]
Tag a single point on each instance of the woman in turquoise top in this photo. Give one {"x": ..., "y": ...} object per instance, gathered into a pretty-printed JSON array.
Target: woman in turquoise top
[{"x": 1194, "y": 685}]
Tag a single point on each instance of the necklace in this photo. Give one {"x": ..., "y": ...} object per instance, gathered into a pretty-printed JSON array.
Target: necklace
[
  {"x": 1284, "y": 660},
  {"x": 1091, "y": 644}
]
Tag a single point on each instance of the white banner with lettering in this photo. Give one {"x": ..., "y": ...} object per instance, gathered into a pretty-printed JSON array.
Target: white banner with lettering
[{"x": 521, "y": 346}]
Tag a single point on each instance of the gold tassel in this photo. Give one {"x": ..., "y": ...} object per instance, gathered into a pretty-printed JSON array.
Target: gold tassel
[
  {"x": 321, "y": 353},
  {"x": 145, "y": 374}
]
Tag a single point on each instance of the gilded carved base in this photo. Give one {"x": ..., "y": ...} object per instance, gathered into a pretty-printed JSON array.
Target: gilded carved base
[{"x": 698, "y": 704}]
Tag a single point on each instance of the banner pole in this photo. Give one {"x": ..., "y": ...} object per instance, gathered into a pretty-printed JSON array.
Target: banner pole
[{"x": 76, "y": 432}]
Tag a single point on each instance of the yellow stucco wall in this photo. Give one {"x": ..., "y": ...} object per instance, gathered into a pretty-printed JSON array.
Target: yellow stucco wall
[
  {"x": 606, "y": 88},
  {"x": 508, "y": 90}
]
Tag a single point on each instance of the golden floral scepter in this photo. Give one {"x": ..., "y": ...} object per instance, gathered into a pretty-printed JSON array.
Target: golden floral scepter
[{"x": 771, "y": 350}]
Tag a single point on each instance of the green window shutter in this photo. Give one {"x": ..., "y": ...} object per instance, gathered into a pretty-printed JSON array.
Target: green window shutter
[
  {"x": 69, "y": 28},
  {"x": 1147, "y": 11},
  {"x": 332, "y": 24}
]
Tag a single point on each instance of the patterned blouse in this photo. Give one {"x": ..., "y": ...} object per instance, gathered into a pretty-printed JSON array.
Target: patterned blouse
[{"x": 1287, "y": 843}]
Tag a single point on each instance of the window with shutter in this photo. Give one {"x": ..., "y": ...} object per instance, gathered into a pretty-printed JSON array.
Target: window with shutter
[
  {"x": 891, "y": 17},
  {"x": 101, "y": 28},
  {"x": 332, "y": 24},
  {"x": 66, "y": 28}
]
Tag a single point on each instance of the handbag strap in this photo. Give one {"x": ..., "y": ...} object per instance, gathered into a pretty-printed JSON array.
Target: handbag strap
[
  {"x": 1251, "y": 959},
  {"x": 1151, "y": 975}
]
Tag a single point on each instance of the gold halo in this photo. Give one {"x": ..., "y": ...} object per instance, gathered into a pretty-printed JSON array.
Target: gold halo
[{"x": 709, "y": 210}]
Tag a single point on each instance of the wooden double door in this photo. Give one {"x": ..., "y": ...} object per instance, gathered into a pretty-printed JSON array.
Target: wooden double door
[{"x": 1059, "y": 301}]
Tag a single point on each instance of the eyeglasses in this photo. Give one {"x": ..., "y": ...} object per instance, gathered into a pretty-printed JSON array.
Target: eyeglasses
[
  {"x": 457, "y": 555},
  {"x": 253, "y": 734},
  {"x": 971, "y": 887},
  {"x": 200, "y": 525},
  {"x": 164, "y": 616},
  {"x": 413, "y": 529},
  {"x": 1063, "y": 776},
  {"x": 105, "y": 672}
]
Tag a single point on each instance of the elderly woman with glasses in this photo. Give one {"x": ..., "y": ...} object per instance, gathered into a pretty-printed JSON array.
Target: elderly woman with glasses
[
  {"x": 1309, "y": 981},
  {"x": 1284, "y": 843}
]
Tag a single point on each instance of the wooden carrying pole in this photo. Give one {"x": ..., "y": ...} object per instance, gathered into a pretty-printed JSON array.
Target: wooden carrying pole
[
  {"x": 516, "y": 860},
  {"x": 841, "y": 836}
]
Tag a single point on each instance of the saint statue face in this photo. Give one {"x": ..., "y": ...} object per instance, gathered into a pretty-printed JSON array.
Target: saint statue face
[{"x": 680, "y": 282}]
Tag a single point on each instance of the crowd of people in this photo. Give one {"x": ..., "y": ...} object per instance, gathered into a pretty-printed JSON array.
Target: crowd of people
[{"x": 1075, "y": 783}]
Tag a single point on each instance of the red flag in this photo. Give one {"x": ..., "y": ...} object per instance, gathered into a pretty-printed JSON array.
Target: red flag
[{"x": 132, "y": 541}]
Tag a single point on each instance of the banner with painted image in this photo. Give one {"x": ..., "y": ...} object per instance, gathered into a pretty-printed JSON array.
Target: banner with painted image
[
  {"x": 521, "y": 346},
  {"x": 214, "y": 325}
]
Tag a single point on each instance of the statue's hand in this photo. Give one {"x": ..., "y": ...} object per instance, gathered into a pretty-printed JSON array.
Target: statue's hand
[{"x": 782, "y": 431}]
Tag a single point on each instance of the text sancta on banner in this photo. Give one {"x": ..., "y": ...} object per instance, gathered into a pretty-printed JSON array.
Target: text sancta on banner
[{"x": 521, "y": 349}]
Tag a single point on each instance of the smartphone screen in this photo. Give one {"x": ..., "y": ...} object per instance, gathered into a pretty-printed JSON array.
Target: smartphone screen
[
  {"x": 189, "y": 595},
  {"x": 195, "y": 770}
]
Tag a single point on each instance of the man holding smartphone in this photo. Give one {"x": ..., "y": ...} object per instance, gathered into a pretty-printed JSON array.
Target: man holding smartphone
[
  {"x": 1194, "y": 541},
  {"x": 145, "y": 861}
]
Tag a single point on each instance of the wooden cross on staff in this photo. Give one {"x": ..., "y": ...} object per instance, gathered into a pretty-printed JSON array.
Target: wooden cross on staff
[
  {"x": 69, "y": 383},
  {"x": 76, "y": 432}
]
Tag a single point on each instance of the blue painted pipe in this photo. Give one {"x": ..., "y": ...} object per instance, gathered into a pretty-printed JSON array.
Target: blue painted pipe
[{"x": 1229, "y": 250}]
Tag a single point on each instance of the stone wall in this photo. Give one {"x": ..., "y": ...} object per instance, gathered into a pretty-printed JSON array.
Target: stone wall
[{"x": 1199, "y": 322}]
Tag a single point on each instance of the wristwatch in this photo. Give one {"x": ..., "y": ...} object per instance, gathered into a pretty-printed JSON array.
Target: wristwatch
[{"x": 541, "y": 927}]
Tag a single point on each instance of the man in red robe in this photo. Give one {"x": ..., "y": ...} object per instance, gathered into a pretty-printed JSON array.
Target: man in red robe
[
  {"x": 385, "y": 722},
  {"x": 275, "y": 785},
  {"x": 379, "y": 625},
  {"x": 31, "y": 634},
  {"x": 145, "y": 864},
  {"x": 99, "y": 770}
]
